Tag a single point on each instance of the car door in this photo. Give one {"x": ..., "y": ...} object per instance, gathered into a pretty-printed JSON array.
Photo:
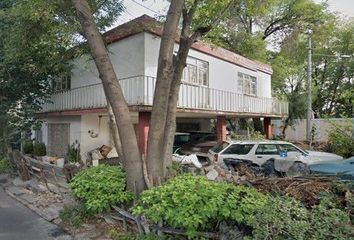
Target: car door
[
  {"x": 265, "y": 152},
  {"x": 238, "y": 151}
]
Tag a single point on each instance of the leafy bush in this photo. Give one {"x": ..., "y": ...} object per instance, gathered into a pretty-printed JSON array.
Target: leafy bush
[
  {"x": 115, "y": 235},
  {"x": 5, "y": 166},
  {"x": 341, "y": 138},
  {"x": 27, "y": 147},
  {"x": 281, "y": 218},
  {"x": 287, "y": 218},
  {"x": 39, "y": 149},
  {"x": 74, "y": 215},
  {"x": 73, "y": 154},
  {"x": 100, "y": 187},
  {"x": 194, "y": 203}
]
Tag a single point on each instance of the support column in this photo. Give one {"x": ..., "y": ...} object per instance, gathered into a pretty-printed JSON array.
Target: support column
[
  {"x": 143, "y": 131},
  {"x": 267, "y": 127},
  {"x": 221, "y": 128}
]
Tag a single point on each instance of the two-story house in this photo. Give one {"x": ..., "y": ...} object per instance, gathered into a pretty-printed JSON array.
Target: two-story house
[{"x": 216, "y": 84}]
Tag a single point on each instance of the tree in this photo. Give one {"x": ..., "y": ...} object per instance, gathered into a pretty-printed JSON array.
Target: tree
[
  {"x": 255, "y": 23},
  {"x": 169, "y": 75},
  {"x": 35, "y": 37}
]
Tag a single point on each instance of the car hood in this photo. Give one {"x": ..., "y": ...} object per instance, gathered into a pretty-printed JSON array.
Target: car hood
[
  {"x": 334, "y": 167},
  {"x": 324, "y": 156}
]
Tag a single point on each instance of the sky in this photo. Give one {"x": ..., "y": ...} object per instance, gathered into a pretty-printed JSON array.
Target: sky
[
  {"x": 153, "y": 8},
  {"x": 344, "y": 7}
]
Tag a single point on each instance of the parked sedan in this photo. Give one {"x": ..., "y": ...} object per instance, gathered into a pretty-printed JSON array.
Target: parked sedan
[
  {"x": 262, "y": 150},
  {"x": 343, "y": 169}
]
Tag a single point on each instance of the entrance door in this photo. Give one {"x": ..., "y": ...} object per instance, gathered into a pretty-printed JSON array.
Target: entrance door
[{"x": 58, "y": 139}]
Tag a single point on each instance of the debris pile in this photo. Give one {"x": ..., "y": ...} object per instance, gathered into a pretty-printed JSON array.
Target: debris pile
[{"x": 305, "y": 189}]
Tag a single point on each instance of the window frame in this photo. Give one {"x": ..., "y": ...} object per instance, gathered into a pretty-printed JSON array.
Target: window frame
[
  {"x": 61, "y": 83},
  {"x": 196, "y": 72},
  {"x": 244, "y": 80}
]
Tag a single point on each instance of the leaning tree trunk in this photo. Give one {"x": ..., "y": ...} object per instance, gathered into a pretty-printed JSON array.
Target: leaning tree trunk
[
  {"x": 132, "y": 159},
  {"x": 114, "y": 131},
  {"x": 155, "y": 151}
]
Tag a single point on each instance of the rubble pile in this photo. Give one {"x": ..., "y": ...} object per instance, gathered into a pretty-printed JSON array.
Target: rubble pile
[{"x": 304, "y": 189}]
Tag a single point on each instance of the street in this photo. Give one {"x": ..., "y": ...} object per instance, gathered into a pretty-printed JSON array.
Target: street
[{"x": 18, "y": 222}]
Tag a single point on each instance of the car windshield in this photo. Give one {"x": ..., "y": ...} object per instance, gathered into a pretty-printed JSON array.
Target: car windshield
[
  {"x": 219, "y": 147},
  {"x": 289, "y": 148}
]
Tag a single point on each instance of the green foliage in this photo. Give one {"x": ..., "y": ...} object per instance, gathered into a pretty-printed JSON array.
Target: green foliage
[
  {"x": 194, "y": 203},
  {"x": 100, "y": 187},
  {"x": 341, "y": 138},
  {"x": 73, "y": 154},
  {"x": 280, "y": 218},
  {"x": 115, "y": 235},
  {"x": 35, "y": 38},
  {"x": 39, "y": 149},
  {"x": 254, "y": 135},
  {"x": 74, "y": 215},
  {"x": 27, "y": 147},
  {"x": 5, "y": 166},
  {"x": 286, "y": 218}
]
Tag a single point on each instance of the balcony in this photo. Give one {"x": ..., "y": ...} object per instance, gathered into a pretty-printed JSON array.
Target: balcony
[{"x": 139, "y": 91}]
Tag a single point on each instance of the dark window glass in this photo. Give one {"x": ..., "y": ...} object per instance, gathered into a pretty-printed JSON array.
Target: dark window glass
[
  {"x": 240, "y": 149},
  {"x": 267, "y": 149},
  {"x": 219, "y": 147},
  {"x": 288, "y": 148}
]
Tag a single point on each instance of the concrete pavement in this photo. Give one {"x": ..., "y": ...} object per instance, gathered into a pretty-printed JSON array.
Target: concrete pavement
[{"x": 18, "y": 222}]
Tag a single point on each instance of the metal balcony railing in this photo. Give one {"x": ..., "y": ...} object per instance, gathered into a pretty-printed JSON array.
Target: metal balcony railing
[{"x": 139, "y": 90}]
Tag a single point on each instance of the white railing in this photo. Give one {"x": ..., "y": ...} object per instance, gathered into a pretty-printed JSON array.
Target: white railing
[{"x": 139, "y": 90}]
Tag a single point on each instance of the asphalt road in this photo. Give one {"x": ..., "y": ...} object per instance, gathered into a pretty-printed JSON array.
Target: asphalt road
[{"x": 18, "y": 222}]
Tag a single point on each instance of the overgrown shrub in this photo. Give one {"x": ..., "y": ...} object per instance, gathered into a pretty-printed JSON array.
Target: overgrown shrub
[
  {"x": 280, "y": 218},
  {"x": 39, "y": 149},
  {"x": 73, "y": 154},
  {"x": 287, "y": 218},
  {"x": 194, "y": 203},
  {"x": 341, "y": 138},
  {"x": 5, "y": 166},
  {"x": 100, "y": 187},
  {"x": 74, "y": 215},
  {"x": 27, "y": 147}
]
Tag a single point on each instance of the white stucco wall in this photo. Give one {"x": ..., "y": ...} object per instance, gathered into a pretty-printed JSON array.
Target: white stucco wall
[
  {"x": 138, "y": 55},
  {"x": 99, "y": 134},
  {"x": 127, "y": 58},
  {"x": 222, "y": 74},
  {"x": 73, "y": 121}
]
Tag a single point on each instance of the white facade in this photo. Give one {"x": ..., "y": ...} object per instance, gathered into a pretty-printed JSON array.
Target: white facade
[{"x": 135, "y": 61}]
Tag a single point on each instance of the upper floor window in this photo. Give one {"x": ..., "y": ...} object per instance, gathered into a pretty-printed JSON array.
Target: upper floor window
[
  {"x": 247, "y": 84},
  {"x": 61, "y": 83},
  {"x": 196, "y": 72}
]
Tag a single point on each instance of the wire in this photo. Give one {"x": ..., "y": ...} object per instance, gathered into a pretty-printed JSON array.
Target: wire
[{"x": 145, "y": 7}]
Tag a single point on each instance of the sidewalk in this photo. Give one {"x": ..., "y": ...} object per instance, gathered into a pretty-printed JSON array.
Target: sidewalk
[{"x": 19, "y": 222}]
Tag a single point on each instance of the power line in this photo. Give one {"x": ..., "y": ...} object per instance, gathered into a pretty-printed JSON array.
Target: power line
[{"x": 145, "y": 7}]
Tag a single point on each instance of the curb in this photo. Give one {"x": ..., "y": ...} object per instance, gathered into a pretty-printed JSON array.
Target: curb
[{"x": 30, "y": 206}]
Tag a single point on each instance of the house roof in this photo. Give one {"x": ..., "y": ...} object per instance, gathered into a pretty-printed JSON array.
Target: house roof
[{"x": 151, "y": 25}]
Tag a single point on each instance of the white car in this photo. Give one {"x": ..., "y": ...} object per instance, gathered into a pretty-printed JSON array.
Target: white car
[{"x": 259, "y": 151}]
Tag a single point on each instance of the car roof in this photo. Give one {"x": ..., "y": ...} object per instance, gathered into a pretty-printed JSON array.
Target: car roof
[{"x": 263, "y": 141}]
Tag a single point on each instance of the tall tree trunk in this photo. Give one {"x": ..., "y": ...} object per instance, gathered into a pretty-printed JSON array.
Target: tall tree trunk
[
  {"x": 114, "y": 131},
  {"x": 132, "y": 158},
  {"x": 155, "y": 151}
]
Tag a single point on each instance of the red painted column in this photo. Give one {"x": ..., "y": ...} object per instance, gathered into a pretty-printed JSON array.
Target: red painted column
[
  {"x": 143, "y": 131},
  {"x": 267, "y": 127},
  {"x": 221, "y": 128}
]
